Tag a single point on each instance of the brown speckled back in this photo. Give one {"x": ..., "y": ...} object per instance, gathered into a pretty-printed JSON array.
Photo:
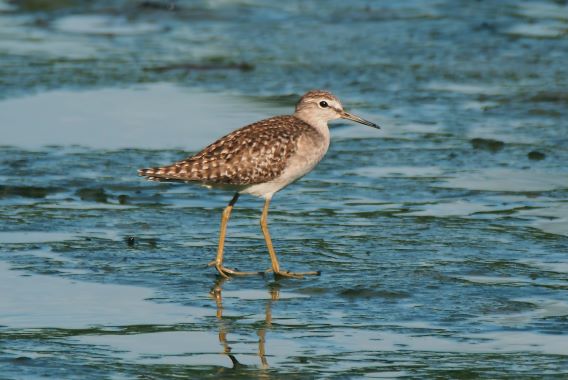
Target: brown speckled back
[{"x": 250, "y": 155}]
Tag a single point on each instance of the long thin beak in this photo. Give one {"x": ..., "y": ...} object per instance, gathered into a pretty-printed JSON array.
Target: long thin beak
[{"x": 347, "y": 115}]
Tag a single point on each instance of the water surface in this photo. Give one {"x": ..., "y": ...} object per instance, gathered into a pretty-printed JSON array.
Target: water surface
[{"x": 442, "y": 238}]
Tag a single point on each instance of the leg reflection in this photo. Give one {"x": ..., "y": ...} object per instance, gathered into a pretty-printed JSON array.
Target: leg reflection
[
  {"x": 274, "y": 296},
  {"x": 216, "y": 294}
]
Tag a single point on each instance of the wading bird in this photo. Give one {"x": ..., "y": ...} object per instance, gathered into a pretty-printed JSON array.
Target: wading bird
[{"x": 261, "y": 159}]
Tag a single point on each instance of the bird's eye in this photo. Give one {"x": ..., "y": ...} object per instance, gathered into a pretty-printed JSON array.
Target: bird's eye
[{"x": 323, "y": 104}]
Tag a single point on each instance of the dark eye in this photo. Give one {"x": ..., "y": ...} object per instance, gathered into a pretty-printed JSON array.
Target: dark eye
[{"x": 323, "y": 104}]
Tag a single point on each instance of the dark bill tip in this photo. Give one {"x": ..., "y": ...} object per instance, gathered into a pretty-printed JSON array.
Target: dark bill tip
[{"x": 357, "y": 119}]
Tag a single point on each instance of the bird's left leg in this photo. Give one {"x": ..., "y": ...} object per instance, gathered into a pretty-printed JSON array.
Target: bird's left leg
[{"x": 218, "y": 262}]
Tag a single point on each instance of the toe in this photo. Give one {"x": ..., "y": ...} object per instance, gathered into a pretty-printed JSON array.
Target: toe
[{"x": 221, "y": 271}]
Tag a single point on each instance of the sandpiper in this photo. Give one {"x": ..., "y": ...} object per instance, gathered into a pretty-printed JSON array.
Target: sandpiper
[{"x": 261, "y": 159}]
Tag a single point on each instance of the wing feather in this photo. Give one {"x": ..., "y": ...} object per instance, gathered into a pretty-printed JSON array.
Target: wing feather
[{"x": 256, "y": 153}]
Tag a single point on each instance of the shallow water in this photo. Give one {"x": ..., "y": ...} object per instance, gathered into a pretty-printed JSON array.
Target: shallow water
[{"x": 442, "y": 238}]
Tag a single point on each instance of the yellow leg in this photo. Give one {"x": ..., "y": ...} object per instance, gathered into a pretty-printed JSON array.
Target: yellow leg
[
  {"x": 218, "y": 262},
  {"x": 273, "y": 258}
]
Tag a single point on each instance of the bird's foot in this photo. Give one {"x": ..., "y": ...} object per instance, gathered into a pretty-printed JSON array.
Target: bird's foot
[
  {"x": 288, "y": 274},
  {"x": 228, "y": 272}
]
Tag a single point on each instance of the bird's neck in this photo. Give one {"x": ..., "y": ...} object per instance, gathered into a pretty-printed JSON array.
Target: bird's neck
[{"x": 317, "y": 123}]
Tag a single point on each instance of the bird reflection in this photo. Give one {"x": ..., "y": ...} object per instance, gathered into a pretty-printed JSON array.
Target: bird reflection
[{"x": 216, "y": 293}]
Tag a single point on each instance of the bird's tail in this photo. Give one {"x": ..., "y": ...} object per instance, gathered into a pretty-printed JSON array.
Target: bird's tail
[
  {"x": 151, "y": 174},
  {"x": 164, "y": 174}
]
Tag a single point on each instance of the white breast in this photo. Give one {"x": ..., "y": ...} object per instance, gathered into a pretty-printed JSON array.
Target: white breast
[{"x": 308, "y": 154}]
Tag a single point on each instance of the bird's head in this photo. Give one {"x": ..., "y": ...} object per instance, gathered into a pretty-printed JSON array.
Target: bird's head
[{"x": 318, "y": 106}]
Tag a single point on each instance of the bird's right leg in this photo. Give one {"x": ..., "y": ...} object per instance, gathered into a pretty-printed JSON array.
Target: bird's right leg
[
  {"x": 273, "y": 258},
  {"x": 218, "y": 262}
]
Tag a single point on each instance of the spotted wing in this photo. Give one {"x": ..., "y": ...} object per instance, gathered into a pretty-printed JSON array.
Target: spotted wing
[{"x": 253, "y": 154}]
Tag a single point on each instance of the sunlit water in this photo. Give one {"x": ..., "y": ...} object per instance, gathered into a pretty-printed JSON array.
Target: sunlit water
[{"x": 442, "y": 238}]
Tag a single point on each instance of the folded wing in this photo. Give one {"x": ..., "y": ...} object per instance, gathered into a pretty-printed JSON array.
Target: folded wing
[{"x": 253, "y": 154}]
